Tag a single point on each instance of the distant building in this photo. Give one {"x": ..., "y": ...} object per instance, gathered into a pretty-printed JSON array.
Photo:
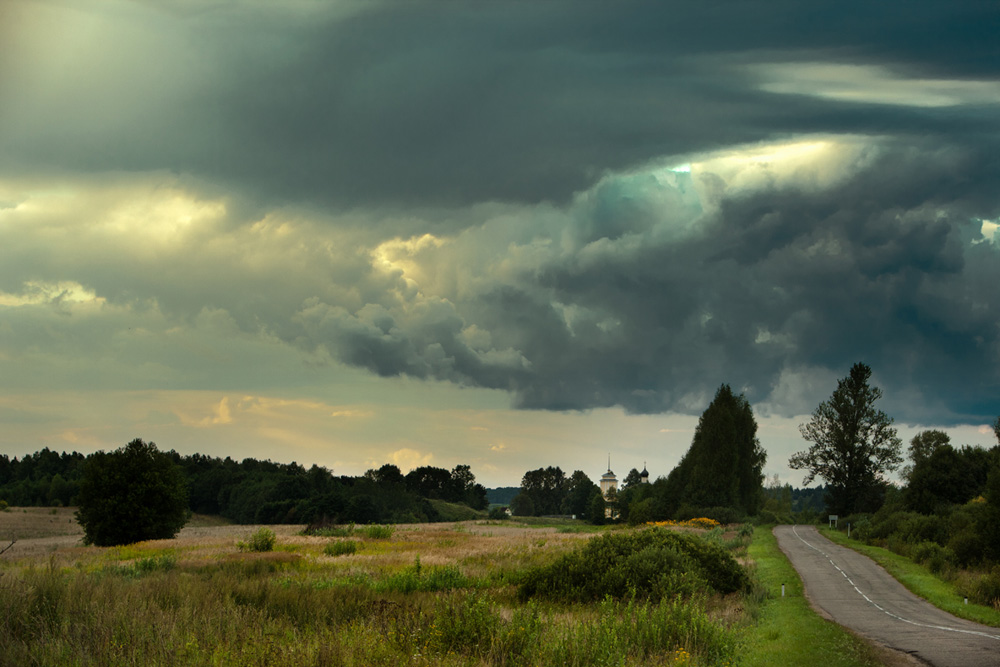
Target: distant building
[{"x": 609, "y": 489}]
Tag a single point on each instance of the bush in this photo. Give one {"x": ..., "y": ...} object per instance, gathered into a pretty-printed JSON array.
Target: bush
[
  {"x": 968, "y": 548},
  {"x": 652, "y": 563},
  {"x": 341, "y": 548},
  {"x": 933, "y": 555},
  {"x": 379, "y": 532},
  {"x": 262, "y": 539},
  {"x": 132, "y": 494},
  {"x": 498, "y": 513}
]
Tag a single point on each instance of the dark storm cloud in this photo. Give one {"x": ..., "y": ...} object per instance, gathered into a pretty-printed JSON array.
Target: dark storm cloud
[
  {"x": 445, "y": 103},
  {"x": 882, "y": 266}
]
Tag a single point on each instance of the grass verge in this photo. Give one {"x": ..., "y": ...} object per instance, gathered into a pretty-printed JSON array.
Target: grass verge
[
  {"x": 786, "y": 631},
  {"x": 920, "y": 581}
]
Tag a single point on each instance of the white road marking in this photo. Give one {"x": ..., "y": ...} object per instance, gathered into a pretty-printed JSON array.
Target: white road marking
[{"x": 884, "y": 610}]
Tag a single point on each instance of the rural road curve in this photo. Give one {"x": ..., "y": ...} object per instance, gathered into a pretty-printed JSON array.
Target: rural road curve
[{"x": 855, "y": 592}]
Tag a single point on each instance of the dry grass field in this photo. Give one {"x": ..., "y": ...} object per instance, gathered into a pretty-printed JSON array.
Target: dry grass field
[{"x": 423, "y": 594}]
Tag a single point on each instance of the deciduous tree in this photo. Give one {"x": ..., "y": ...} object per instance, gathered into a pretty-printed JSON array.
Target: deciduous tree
[{"x": 854, "y": 445}]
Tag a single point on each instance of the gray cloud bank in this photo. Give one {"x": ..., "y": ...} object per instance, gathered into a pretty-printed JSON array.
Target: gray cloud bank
[{"x": 482, "y": 193}]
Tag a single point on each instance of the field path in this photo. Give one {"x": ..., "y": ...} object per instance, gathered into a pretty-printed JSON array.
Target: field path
[{"x": 852, "y": 590}]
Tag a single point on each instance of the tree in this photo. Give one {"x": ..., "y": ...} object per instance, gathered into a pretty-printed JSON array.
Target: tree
[
  {"x": 466, "y": 489},
  {"x": 132, "y": 494},
  {"x": 922, "y": 445},
  {"x": 580, "y": 491},
  {"x": 854, "y": 445},
  {"x": 724, "y": 465},
  {"x": 522, "y": 505},
  {"x": 631, "y": 479},
  {"x": 546, "y": 487},
  {"x": 596, "y": 509},
  {"x": 948, "y": 476}
]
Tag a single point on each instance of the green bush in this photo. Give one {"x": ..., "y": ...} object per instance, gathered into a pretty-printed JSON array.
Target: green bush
[
  {"x": 262, "y": 539},
  {"x": 653, "y": 563},
  {"x": 933, "y": 555},
  {"x": 968, "y": 547},
  {"x": 341, "y": 548},
  {"x": 498, "y": 513},
  {"x": 379, "y": 532}
]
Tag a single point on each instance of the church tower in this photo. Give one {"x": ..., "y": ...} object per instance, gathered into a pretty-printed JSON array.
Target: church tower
[{"x": 608, "y": 481}]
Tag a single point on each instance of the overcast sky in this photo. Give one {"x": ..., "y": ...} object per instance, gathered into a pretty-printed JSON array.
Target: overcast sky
[{"x": 506, "y": 234}]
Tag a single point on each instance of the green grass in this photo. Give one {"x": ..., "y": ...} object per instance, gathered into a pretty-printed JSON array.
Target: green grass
[
  {"x": 920, "y": 581},
  {"x": 787, "y": 631}
]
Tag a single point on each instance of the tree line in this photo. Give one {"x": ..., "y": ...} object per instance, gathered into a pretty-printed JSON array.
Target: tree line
[{"x": 254, "y": 491}]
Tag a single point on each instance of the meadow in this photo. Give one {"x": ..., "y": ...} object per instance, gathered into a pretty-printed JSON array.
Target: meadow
[{"x": 464, "y": 593}]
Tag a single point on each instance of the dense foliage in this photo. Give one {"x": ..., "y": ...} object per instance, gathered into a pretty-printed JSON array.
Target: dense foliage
[
  {"x": 654, "y": 563},
  {"x": 854, "y": 445},
  {"x": 548, "y": 492},
  {"x": 132, "y": 494},
  {"x": 724, "y": 465}
]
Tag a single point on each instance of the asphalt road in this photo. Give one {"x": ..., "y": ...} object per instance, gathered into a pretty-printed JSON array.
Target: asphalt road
[{"x": 853, "y": 591}]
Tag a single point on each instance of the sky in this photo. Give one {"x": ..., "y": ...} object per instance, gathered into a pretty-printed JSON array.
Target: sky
[{"x": 502, "y": 234}]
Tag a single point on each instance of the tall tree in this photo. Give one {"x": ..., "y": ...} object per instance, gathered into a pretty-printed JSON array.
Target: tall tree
[
  {"x": 724, "y": 465},
  {"x": 854, "y": 445}
]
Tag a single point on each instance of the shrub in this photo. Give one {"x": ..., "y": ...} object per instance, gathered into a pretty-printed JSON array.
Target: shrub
[
  {"x": 652, "y": 563},
  {"x": 3, "y": 506},
  {"x": 341, "y": 548},
  {"x": 262, "y": 539},
  {"x": 933, "y": 555},
  {"x": 968, "y": 548},
  {"x": 498, "y": 513},
  {"x": 379, "y": 532}
]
